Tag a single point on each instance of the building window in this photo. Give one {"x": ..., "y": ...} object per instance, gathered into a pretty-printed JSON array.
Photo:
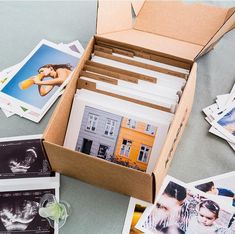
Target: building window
[
  {"x": 103, "y": 151},
  {"x": 144, "y": 153},
  {"x": 92, "y": 122},
  {"x": 150, "y": 129},
  {"x": 110, "y": 127},
  {"x": 131, "y": 123},
  {"x": 125, "y": 148}
]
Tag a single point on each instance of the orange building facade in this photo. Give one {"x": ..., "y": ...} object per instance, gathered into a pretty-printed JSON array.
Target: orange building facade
[{"x": 134, "y": 143}]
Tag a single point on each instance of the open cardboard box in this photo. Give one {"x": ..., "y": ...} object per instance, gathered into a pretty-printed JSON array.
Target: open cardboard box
[{"x": 174, "y": 33}]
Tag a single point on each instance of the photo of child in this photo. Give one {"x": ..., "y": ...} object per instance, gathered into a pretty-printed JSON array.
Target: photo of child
[
  {"x": 181, "y": 209},
  {"x": 167, "y": 211},
  {"x": 222, "y": 185},
  {"x": 204, "y": 221}
]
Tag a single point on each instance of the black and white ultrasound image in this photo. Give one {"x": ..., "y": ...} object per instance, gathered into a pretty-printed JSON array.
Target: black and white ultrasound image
[
  {"x": 23, "y": 158},
  {"x": 19, "y": 212}
]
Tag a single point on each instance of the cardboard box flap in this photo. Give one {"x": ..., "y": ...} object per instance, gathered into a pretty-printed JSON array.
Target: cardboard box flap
[
  {"x": 230, "y": 13},
  {"x": 227, "y": 26},
  {"x": 137, "y": 5},
  {"x": 195, "y": 23},
  {"x": 186, "y": 30},
  {"x": 165, "y": 45},
  {"x": 113, "y": 16}
]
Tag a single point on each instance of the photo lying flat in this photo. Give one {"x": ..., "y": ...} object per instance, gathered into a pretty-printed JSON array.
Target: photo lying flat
[
  {"x": 41, "y": 75},
  {"x": 19, "y": 212},
  {"x": 225, "y": 123},
  {"x": 180, "y": 208},
  {"x": 135, "y": 210},
  {"x": 23, "y": 159},
  {"x": 221, "y": 185}
]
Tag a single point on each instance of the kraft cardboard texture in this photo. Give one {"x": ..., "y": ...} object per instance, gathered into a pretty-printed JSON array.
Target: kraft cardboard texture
[
  {"x": 155, "y": 42},
  {"x": 228, "y": 25},
  {"x": 84, "y": 167},
  {"x": 144, "y": 52},
  {"x": 177, "y": 128},
  {"x": 113, "y": 16},
  {"x": 100, "y": 172},
  {"x": 177, "y": 28},
  {"x": 182, "y": 21}
]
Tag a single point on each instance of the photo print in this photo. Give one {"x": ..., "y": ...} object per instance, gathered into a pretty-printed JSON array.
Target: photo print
[
  {"x": 131, "y": 136},
  {"x": 21, "y": 158},
  {"x": 221, "y": 185},
  {"x": 118, "y": 139},
  {"x": 180, "y": 209},
  {"x": 19, "y": 212},
  {"x": 226, "y": 123},
  {"x": 40, "y": 77},
  {"x": 135, "y": 210}
]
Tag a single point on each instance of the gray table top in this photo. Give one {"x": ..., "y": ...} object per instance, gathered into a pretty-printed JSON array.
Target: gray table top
[{"x": 199, "y": 154}]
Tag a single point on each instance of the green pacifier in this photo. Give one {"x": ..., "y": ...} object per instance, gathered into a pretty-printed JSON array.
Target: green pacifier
[{"x": 55, "y": 212}]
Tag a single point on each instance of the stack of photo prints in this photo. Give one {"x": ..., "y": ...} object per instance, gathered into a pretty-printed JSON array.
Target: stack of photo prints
[
  {"x": 123, "y": 107},
  {"x": 25, "y": 177},
  {"x": 29, "y": 88},
  {"x": 202, "y": 207},
  {"x": 221, "y": 115}
]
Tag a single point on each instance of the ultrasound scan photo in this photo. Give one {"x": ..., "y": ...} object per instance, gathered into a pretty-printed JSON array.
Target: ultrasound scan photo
[
  {"x": 19, "y": 212},
  {"x": 23, "y": 158}
]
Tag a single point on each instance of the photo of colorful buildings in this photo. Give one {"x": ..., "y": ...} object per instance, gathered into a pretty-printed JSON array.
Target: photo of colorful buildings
[{"x": 116, "y": 138}]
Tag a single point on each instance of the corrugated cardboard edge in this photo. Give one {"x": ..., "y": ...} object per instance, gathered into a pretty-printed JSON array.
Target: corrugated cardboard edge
[
  {"x": 228, "y": 25},
  {"x": 113, "y": 16},
  {"x": 176, "y": 129}
]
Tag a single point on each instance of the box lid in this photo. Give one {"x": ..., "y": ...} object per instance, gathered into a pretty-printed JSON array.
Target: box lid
[{"x": 186, "y": 30}]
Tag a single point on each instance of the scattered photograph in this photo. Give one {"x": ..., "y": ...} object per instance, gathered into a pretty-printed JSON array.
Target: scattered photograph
[
  {"x": 118, "y": 139},
  {"x": 21, "y": 158},
  {"x": 135, "y": 210},
  {"x": 41, "y": 75},
  {"x": 76, "y": 46},
  {"x": 221, "y": 185},
  {"x": 19, "y": 212},
  {"x": 226, "y": 123},
  {"x": 180, "y": 209}
]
